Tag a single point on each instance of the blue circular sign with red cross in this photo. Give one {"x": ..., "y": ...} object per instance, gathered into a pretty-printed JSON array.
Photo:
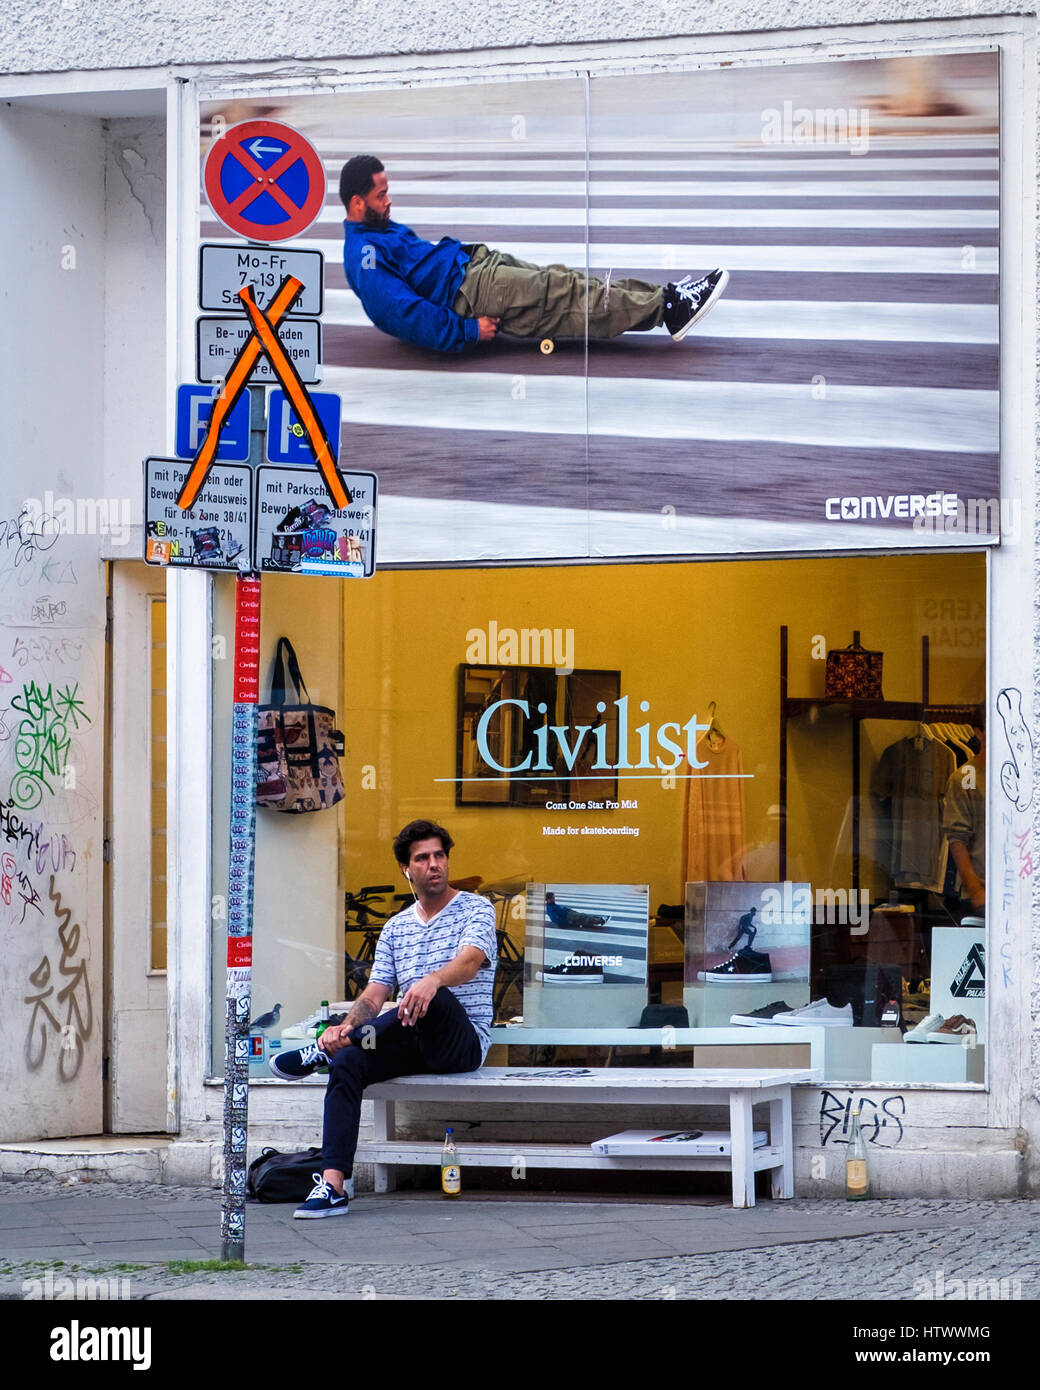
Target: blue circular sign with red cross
[{"x": 265, "y": 181}]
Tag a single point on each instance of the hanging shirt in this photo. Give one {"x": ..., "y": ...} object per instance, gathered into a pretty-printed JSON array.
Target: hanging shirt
[
  {"x": 715, "y": 821},
  {"x": 908, "y": 785}
]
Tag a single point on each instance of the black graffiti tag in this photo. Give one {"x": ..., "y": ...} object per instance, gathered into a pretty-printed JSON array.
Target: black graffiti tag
[
  {"x": 880, "y": 1124},
  {"x": 74, "y": 997}
]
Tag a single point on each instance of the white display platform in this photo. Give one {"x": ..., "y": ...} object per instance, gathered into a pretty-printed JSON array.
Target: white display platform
[
  {"x": 928, "y": 1062},
  {"x": 848, "y": 1052},
  {"x": 710, "y": 1005}
]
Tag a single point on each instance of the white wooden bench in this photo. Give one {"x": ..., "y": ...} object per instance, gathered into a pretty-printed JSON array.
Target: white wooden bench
[{"x": 739, "y": 1088}]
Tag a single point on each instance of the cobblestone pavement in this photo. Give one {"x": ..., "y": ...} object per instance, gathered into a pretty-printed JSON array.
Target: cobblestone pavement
[{"x": 412, "y": 1246}]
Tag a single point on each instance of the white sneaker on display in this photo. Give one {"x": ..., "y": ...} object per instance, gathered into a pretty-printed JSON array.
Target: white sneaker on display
[
  {"x": 817, "y": 1014},
  {"x": 926, "y": 1026}
]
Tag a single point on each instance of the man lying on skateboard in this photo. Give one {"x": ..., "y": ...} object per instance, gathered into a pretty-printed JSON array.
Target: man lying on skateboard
[
  {"x": 449, "y": 295},
  {"x": 569, "y": 917}
]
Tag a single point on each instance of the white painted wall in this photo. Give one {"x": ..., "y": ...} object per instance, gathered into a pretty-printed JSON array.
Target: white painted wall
[
  {"x": 52, "y": 615},
  {"x": 135, "y": 316}
]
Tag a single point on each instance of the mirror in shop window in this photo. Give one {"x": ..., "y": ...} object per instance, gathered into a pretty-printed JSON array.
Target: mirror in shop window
[{"x": 536, "y": 736}]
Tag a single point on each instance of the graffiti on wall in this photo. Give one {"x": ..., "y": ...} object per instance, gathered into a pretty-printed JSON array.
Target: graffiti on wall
[
  {"x": 49, "y": 719},
  {"x": 880, "y": 1124},
  {"x": 1016, "y": 782},
  {"x": 60, "y": 1003}
]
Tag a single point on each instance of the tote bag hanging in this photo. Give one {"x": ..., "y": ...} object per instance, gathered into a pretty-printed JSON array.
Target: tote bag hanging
[{"x": 297, "y": 746}]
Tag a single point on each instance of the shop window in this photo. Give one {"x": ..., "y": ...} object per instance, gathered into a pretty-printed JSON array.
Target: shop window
[{"x": 784, "y": 816}]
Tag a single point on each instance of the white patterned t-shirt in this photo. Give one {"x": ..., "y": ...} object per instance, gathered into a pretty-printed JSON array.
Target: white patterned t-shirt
[{"x": 409, "y": 948}]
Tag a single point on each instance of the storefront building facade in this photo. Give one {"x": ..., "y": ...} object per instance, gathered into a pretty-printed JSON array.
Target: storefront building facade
[{"x": 701, "y": 650}]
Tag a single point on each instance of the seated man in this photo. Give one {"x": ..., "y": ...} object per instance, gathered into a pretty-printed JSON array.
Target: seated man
[
  {"x": 440, "y": 954},
  {"x": 450, "y": 295}
]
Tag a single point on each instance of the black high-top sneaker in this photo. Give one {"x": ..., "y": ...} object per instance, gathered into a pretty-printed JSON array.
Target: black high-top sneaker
[
  {"x": 687, "y": 300},
  {"x": 746, "y": 967}
]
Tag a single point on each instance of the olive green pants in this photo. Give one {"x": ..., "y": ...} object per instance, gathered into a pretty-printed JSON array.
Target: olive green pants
[{"x": 549, "y": 301}]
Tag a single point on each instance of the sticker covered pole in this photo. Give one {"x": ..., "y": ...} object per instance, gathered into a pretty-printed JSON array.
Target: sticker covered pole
[{"x": 241, "y": 858}]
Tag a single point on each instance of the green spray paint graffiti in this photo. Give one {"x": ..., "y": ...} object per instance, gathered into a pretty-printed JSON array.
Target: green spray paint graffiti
[{"x": 43, "y": 739}]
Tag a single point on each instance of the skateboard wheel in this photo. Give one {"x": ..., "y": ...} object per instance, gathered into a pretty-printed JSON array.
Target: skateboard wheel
[{"x": 547, "y": 346}]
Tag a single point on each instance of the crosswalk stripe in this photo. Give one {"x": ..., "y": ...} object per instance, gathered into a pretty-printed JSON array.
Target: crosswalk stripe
[
  {"x": 802, "y": 319},
  {"x": 830, "y": 163},
  {"x": 891, "y": 417},
  {"x": 686, "y": 188},
  {"x": 638, "y": 146},
  {"x": 889, "y": 260},
  {"x": 932, "y": 219}
]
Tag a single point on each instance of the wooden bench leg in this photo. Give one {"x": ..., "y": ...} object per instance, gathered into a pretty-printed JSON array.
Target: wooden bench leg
[
  {"x": 782, "y": 1137},
  {"x": 383, "y": 1128},
  {"x": 742, "y": 1138}
]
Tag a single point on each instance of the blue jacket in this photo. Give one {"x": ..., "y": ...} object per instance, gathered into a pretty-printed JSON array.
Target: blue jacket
[{"x": 407, "y": 286}]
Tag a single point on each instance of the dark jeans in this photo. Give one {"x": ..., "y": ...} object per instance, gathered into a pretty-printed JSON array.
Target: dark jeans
[{"x": 443, "y": 1041}]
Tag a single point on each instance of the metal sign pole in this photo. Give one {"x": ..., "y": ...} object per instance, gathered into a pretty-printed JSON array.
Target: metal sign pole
[{"x": 240, "y": 884}]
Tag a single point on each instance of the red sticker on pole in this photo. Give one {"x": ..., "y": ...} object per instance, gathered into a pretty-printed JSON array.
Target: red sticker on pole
[
  {"x": 247, "y": 640},
  {"x": 239, "y": 951},
  {"x": 264, "y": 181}
]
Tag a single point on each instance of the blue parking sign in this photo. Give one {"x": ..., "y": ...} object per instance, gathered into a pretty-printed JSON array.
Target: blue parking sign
[
  {"x": 194, "y": 407},
  {"x": 286, "y": 437}
]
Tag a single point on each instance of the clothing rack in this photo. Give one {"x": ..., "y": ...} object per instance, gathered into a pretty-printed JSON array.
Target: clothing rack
[{"x": 793, "y": 707}]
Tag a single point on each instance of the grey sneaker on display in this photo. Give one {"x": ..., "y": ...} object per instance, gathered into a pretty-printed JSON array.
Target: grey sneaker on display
[{"x": 818, "y": 1013}]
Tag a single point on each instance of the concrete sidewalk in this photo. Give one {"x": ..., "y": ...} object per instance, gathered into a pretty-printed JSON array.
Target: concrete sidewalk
[{"x": 485, "y": 1246}]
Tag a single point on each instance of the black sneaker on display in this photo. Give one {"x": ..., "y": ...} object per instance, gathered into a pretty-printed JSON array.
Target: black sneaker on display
[
  {"x": 761, "y": 1018},
  {"x": 687, "y": 300},
  {"x": 571, "y": 975},
  {"x": 746, "y": 967}
]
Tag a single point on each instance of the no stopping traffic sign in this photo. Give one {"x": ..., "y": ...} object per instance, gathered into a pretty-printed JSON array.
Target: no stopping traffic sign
[{"x": 265, "y": 181}]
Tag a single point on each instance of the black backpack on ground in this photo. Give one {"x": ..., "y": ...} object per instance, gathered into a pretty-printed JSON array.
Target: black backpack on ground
[{"x": 278, "y": 1177}]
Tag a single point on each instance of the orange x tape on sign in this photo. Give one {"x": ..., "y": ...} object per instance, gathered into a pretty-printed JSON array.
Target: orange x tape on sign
[{"x": 264, "y": 339}]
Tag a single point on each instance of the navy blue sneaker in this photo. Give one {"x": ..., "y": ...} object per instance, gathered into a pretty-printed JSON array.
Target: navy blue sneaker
[
  {"x": 323, "y": 1201},
  {"x": 294, "y": 1066}
]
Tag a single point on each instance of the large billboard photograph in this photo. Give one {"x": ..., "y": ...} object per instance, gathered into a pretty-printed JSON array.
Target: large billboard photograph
[{"x": 683, "y": 312}]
